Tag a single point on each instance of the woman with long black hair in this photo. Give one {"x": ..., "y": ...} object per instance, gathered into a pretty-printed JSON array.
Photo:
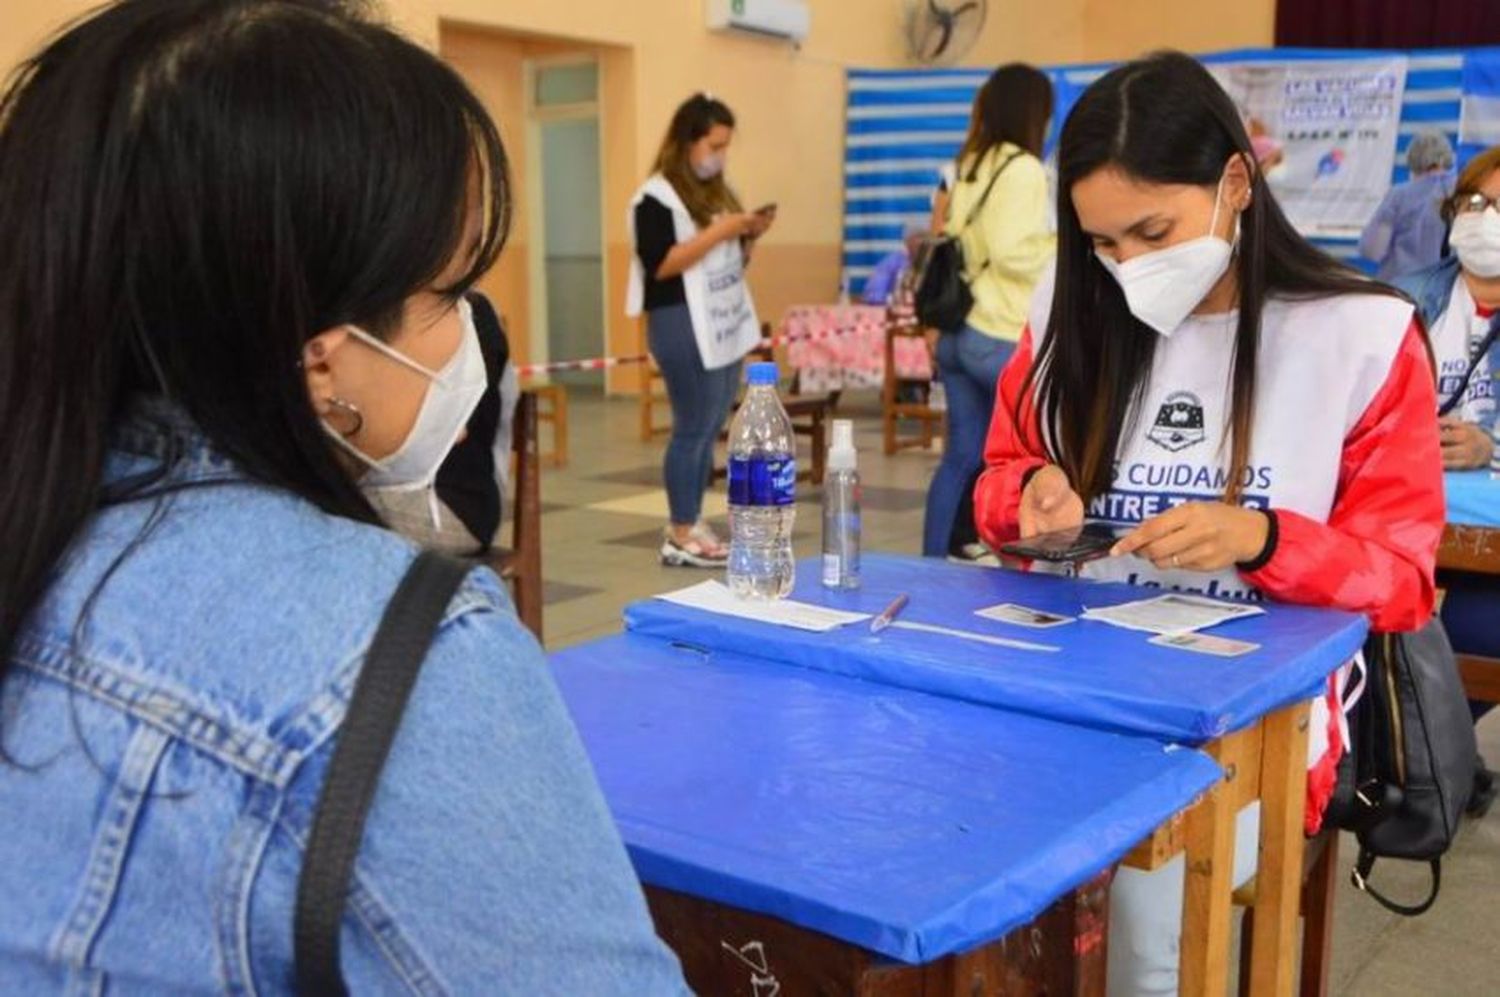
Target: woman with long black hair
[
  {"x": 1256, "y": 418},
  {"x": 237, "y": 238}
]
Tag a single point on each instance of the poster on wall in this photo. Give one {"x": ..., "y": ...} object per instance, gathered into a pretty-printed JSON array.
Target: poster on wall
[{"x": 1324, "y": 131}]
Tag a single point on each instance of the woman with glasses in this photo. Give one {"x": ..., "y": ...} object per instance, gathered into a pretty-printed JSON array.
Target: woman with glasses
[{"x": 1459, "y": 300}]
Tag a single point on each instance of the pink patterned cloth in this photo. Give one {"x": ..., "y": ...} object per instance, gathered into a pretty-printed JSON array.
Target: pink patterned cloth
[{"x": 842, "y": 347}]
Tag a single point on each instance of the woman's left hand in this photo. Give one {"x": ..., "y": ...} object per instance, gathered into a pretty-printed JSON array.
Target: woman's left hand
[
  {"x": 1465, "y": 445},
  {"x": 1198, "y": 536}
]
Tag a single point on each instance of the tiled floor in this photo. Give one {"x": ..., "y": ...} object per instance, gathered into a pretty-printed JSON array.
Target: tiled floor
[{"x": 602, "y": 519}]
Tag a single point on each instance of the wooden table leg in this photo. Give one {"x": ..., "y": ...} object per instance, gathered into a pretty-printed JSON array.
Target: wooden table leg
[
  {"x": 1203, "y": 958},
  {"x": 1283, "y": 789}
]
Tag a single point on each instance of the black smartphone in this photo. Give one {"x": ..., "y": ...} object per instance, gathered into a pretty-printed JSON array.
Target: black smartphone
[{"x": 1081, "y": 543}]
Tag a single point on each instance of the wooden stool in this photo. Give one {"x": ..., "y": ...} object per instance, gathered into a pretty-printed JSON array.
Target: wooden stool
[
  {"x": 893, "y": 410},
  {"x": 1319, "y": 880},
  {"x": 521, "y": 563},
  {"x": 552, "y": 407},
  {"x": 809, "y": 415}
]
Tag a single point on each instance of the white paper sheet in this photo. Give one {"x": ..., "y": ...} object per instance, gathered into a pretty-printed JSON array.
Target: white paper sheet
[
  {"x": 715, "y": 597},
  {"x": 1172, "y": 614}
]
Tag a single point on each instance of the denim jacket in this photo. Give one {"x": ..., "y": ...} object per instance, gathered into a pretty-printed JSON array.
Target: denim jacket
[
  {"x": 162, "y": 762},
  {"x": 1432, "y": 289}
]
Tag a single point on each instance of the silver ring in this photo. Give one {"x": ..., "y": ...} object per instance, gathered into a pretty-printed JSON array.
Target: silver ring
[{"x": 1175, "y": 562}]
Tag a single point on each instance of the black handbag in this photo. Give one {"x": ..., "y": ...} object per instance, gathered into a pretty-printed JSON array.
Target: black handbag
[
  {"x": 942, "y": 296},
  {"x": 375, "y": 708},
  {"x": 1405, "y": 781}
]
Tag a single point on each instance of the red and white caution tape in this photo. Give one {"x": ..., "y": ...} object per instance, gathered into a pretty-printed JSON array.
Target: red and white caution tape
[
  {"x": 596, "y": 363},
  {"x": 605, "y": 363}
]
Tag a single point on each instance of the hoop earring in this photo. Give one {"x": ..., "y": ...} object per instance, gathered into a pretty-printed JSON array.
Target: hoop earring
[{"x": 351, "y": 409}]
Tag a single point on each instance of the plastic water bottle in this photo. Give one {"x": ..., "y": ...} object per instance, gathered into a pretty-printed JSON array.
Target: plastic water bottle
[
  {"x": 937, "y": 396},
  {"x": 841, "y": 510},
  {"x": 762, "y": 489}
]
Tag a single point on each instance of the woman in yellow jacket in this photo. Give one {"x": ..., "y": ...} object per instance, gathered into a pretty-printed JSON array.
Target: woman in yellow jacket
[{"x": 998, "y": 209}]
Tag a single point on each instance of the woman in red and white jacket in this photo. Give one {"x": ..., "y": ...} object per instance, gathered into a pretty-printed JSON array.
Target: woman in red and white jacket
[{"x": 1253, "y": 416}]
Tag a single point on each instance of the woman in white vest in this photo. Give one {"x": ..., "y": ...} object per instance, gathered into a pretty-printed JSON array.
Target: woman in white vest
[
  {"x": 692, "y": 240},
  {"x": 1459, "y": 301},
  {"x": 1255, "y": 418}
]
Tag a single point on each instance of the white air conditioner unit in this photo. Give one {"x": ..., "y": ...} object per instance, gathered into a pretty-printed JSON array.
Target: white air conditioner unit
[{"x": 788, "y": 19}]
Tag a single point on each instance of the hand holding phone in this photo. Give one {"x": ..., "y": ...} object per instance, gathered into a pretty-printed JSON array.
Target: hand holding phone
[
  {"x": 767, "y": 209},
  {"x": 1049, "y": 503},
  {"x": 1087, "y": 542}
]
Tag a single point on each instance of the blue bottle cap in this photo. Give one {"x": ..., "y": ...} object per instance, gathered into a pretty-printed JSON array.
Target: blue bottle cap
[{"x": 763, "y": 373}]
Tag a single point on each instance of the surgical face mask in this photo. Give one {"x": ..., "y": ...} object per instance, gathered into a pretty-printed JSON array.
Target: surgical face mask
[
  {"x": 1476, "y": 240},
  {"x": 452, "y": 395},
  {"x": 1163, "y": 287},
  {"x": 709, "y": 166}
]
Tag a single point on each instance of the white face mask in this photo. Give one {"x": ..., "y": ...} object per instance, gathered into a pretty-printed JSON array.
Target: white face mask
[
  {"x": 1476, "y": 240},
  {"x": 709, "y": 167},
  {"x": 452, "y": 396},
  {"x": 1163, "y": 287}
]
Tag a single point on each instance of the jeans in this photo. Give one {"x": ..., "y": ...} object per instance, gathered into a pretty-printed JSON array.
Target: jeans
[
  {"x": 700, "y": 402},
  {"x": 970, "y": 363}
]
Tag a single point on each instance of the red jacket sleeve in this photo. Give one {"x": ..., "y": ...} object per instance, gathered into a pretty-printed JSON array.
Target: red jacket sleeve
[
  {"x": 1377, "y": 553},
  {"x": 1012, "y": 450}
]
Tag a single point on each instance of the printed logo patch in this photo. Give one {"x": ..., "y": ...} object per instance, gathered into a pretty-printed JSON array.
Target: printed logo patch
[{"x": 1179, "y": 422}]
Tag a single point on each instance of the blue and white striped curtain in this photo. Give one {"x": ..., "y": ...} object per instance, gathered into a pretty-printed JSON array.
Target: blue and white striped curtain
[{"x": 903, "y": 125}]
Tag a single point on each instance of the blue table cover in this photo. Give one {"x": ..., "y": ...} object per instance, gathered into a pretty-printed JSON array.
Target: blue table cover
[
  {"x": 908, "y": 824},
  {"x": 1473, "y": 498},
  {"x": 1104, "y": 676}
]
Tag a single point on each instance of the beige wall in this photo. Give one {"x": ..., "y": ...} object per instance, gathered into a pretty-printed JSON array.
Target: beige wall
[{"x": 789, "y": 101}]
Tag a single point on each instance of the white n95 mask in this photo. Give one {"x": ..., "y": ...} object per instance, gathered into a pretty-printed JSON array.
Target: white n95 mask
[
  {"x": 1476, "y": 240},
  {"x": 1163, "y": 287},
  {"x": 452, "y": 395}
]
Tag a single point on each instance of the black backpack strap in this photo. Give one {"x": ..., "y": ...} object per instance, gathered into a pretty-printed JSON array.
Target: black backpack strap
[
  {"x": 1360, "y": 877},
  {"x": 401, "y": 642},
  {"x": 1474, "y": 358}
]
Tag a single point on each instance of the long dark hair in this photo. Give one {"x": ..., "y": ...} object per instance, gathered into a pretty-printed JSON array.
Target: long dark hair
[
  {"x": 189, "y": 191},
  {"x": 693, "y": 119},
  {"x": 1163, "y": 119},
  {"x": 1012, "y": 106}
]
